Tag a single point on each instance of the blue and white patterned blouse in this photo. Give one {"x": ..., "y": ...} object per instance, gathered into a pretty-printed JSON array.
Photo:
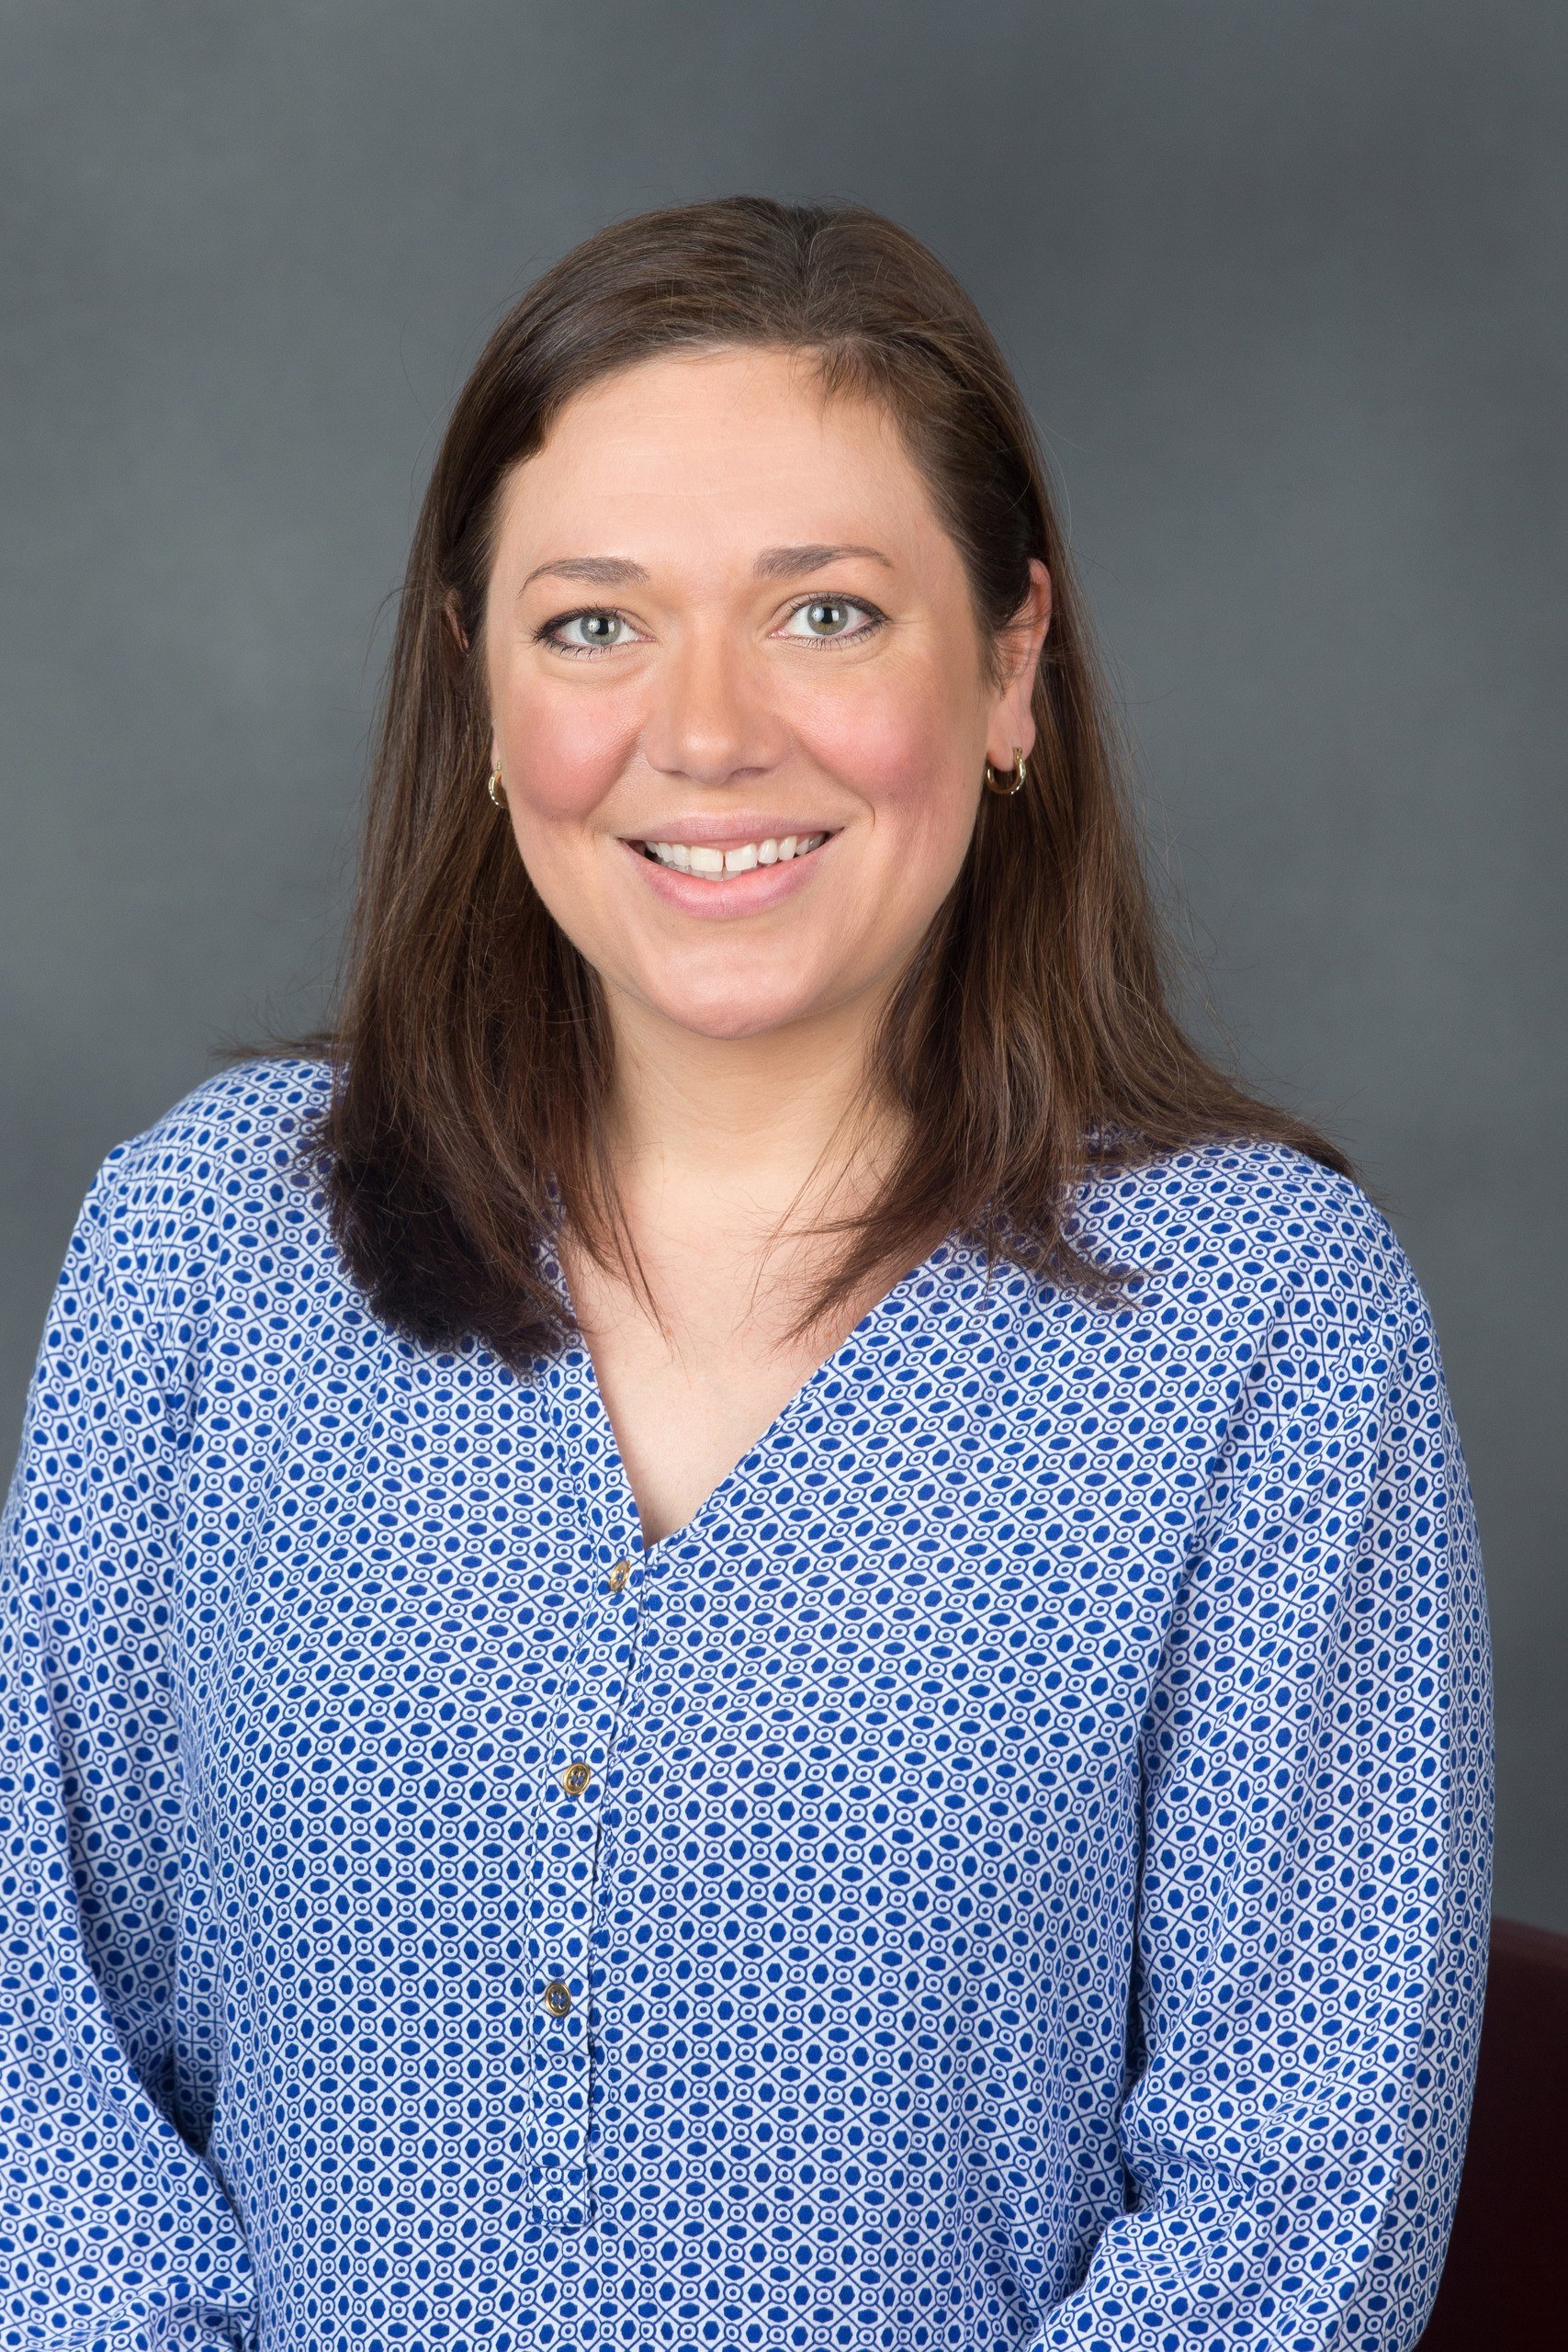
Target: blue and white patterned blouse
[{"x": 1011, "y": 1873}]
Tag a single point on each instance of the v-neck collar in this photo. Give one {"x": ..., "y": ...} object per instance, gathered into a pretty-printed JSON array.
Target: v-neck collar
[{"x": 576, "y": 1360}]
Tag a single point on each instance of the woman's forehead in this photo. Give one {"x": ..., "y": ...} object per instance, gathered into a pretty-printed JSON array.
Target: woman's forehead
[{"x": 743, "y": 440}]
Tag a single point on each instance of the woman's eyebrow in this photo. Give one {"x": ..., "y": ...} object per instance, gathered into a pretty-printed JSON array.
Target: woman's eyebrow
[
  {"x": 774, "y": 563},
  {"x": 785, "y": 563},
  {"x": 598, "y": 571}
]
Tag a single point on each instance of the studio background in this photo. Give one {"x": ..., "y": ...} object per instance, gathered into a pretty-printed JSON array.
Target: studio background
[{"x": 1285, "y": 286}]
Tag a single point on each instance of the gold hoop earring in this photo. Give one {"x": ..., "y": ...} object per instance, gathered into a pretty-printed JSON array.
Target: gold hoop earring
[
  {"x": 1015, "y": 783},
  {"x": 494, "y": 788}
]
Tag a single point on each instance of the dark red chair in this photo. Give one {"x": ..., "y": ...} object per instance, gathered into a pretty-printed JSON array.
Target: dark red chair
[{"x": 1506, "y": 2283}]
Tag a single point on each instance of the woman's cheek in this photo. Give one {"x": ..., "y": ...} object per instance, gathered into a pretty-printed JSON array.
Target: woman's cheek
[
  {"x": 903, "y": 755},
  {"x": 564, "y": 752}
]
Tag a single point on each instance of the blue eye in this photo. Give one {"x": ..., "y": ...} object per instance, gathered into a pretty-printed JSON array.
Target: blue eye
[
  {"x": 826, "y": 618},
  {"x": 586, "y": 632}
]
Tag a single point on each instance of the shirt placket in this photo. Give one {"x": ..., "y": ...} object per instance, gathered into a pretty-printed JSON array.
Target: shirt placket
[{"x": 566, "y": 1857}]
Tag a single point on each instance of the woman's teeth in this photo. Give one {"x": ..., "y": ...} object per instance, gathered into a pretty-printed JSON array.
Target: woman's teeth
[{"x": 714, "y": 864}]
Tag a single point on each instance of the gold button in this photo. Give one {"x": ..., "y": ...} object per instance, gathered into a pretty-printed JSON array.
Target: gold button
[
  {"x": 616, "y": 1580},
  {"x": 557, "y": 1999},
  {"x": 575, "y": 1779}
]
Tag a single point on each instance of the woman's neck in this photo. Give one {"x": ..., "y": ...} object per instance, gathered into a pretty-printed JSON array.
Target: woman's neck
[
  {"x": 730, "y": 1158},
  {"x": 750, "y": 1133}
]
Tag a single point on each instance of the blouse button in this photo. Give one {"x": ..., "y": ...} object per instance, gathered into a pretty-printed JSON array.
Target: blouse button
[
  {"x": 575, "y": 1779},
  {"x": 557, "y": 1999},
  {"x": 616, "y": 1580}
]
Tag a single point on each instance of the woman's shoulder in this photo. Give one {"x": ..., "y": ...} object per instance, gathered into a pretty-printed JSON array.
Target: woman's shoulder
[
  {"x": 1255, "y": 1219},
  {"x": 231, "y": 1148}
]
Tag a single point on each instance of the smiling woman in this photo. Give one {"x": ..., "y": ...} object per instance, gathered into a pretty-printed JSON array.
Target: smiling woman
[
  {"x": 751, "y": 1622},
  {"x": 721, "y": 421}
]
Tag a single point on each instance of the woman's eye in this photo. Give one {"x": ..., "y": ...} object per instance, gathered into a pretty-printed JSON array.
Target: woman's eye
[
  {"x": 830, "y": 617},
  {"x": 587, "y": 632}
]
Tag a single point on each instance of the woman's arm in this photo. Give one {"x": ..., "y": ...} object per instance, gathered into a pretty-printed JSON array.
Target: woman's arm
[
  {"x": 1312, "y": 1934},
  {"x": 112, "y": 2227}
]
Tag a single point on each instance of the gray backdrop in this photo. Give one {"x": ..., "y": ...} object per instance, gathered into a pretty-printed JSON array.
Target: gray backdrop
[{"x": 1285, "y": 285}]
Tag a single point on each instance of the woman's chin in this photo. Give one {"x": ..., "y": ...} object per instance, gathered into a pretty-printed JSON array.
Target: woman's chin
[
  {"x": 735, "y": 1024},
  {"x": 738, "y": 1014}
]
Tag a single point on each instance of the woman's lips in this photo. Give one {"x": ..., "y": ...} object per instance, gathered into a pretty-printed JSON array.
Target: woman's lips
[
  {"x": 712, "y": 860},
  {"x": 747, "y": 887}
]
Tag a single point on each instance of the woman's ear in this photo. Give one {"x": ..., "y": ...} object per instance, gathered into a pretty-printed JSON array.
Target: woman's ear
[
  {"x": 1019, "y": 647},
  {"x": 1039, "y": 604}
]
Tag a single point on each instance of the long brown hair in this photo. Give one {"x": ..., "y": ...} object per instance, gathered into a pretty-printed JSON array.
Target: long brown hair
[{"x": 1032, "y": 1038}]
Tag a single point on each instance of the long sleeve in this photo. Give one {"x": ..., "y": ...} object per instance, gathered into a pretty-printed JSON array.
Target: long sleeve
[
  {"x": 1314, "y": 1893},
  {"x": 113, "y": 2230},
  {"x": 1033, "y": 1894}
]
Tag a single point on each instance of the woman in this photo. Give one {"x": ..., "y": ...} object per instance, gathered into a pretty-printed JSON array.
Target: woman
[{"x": 753, "y": 1625}]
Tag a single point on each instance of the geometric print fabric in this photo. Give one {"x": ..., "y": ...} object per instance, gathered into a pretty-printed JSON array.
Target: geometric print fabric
[{"x": 1013, "y": 1871}]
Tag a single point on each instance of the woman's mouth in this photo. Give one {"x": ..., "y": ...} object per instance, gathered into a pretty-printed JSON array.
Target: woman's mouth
[{"x": 714, "y": 864}]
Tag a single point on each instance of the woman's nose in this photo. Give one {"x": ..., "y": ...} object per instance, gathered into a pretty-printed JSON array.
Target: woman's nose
[{"x": 711, "y": 719}]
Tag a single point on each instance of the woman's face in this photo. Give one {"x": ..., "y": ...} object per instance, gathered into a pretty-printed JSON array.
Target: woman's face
[{"x": 742, "y": 707}]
